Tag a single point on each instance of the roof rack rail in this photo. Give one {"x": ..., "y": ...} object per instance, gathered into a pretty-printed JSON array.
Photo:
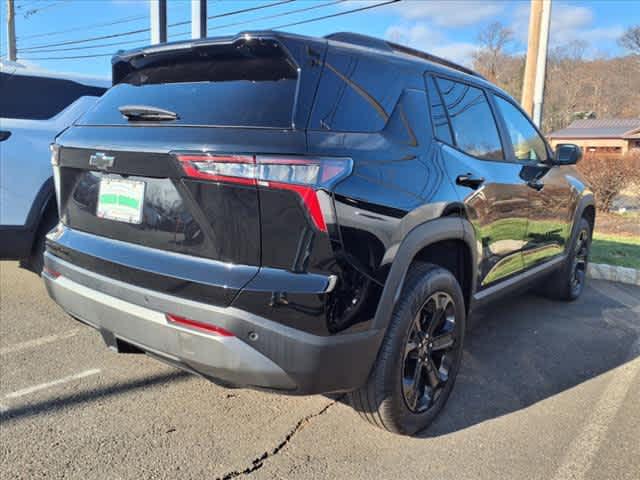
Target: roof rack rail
[
  {"x": 432, "y": 58},
  {"x": 359, "y": 39},
  {"x": 373, "y": 42}
]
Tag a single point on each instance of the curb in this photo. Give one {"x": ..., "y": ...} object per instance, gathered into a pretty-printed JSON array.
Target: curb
[{"x": 601, "y": 271}]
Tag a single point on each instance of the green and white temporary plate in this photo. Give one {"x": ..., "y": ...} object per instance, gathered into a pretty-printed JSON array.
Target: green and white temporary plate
[{"x": 121, "y": 200}]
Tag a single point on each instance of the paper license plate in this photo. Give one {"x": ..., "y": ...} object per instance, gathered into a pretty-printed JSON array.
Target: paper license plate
[{"x": 121, "y": 200}]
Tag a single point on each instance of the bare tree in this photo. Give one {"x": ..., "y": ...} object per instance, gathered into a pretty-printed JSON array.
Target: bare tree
[
  {"x": 493, "y": 41},
  {"x": 631, "y": 39}
]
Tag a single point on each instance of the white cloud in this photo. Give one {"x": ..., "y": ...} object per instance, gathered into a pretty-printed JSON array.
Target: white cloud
[
  {"x": 414, "y": 35},
  {"x": 459, "y": 52},
  {"x": 450, "y": 13},
  {"x": 568, "y": 24},
  {"x": 421, "y": 37}
]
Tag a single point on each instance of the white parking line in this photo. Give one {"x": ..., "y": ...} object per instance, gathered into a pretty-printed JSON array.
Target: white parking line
[
  {"x": 579, "y": 458},
  {"x": 36, "y": 342},
  {"x": 60, "y": 381}
]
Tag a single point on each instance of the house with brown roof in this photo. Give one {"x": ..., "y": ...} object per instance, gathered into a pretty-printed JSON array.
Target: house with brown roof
[{"x": 614, "y": 136}]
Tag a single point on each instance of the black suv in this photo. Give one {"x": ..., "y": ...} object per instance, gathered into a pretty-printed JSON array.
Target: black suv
[{"x": 308, "y": 215}]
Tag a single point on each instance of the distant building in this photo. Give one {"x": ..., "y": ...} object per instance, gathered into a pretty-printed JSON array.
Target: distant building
[{"x": 615, "y": 136}]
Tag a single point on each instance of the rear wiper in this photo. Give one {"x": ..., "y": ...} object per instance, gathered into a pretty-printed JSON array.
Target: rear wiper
[{"x": 146, "y": 112}]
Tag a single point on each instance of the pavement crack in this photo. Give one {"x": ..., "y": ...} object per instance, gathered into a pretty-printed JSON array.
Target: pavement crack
[{"x": 260, "y": 460}]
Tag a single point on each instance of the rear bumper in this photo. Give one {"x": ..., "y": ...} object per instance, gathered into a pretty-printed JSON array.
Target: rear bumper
[{"x": 262, "y": 354}]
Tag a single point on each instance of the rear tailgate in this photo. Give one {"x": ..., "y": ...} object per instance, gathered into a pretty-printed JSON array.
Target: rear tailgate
[{"x": 126, "y": 180}]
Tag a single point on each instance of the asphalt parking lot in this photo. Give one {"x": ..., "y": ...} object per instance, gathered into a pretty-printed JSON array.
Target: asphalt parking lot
[{"x": 547, "y": 391}]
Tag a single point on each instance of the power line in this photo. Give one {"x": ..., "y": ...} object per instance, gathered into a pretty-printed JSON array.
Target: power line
[
  {"x": 35, "y": 10},
  {"x": 85, "y": 47},
  {"x": 67, "y": 58},
  {"x": 267, "y": 17},
  {"x": 347, "y": 12},
  {"x": 251, "y": 9},
  {"x": 92, "y": 39},
  {"x": 144, "y": 30},
  {"x": 27, "y": 4},
  {"x": 95, "y": 25}
]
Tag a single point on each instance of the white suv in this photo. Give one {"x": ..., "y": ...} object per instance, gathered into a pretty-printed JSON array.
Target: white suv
[{"x": 34, "y": 107}]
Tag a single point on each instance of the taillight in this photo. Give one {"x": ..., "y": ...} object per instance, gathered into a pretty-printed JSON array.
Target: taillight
[
  {"x": 302, "y": 175},
  {"x": 51, "y": 272},
  {"x": 223, "y": 168},
  {"x": 187, "y": 322},
  {"x": 55, "y": 164}
]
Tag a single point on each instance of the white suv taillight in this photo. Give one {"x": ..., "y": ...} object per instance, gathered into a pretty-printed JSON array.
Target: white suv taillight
[
  {"x": 303, "y": 175},
  {"x": 55, "y": 163}
]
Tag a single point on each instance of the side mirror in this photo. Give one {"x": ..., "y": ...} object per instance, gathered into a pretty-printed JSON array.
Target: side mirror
[{"x": 567, "y": 154}]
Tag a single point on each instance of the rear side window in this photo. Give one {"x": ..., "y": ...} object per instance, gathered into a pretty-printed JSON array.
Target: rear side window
[
  {"x": 356, "y": 93},
  {"x": 225, "y": 85},
  {"x": 527, "y": 144},
  {"x": 39, "y": 98},
  {"x": 438, "y": 115},
  {"x": 474, "y": 128}
]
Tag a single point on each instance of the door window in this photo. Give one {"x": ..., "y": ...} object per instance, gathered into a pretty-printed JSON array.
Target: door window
[
  {"x": 474, "y": 128},
  {"x": 527, "y": 144}
]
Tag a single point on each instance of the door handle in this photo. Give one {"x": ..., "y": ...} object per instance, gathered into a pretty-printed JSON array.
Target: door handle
[
  {"x": 4, "y": 134},
  {"x": 469, "y": 180},
  {"x": 535, "y": 184}
]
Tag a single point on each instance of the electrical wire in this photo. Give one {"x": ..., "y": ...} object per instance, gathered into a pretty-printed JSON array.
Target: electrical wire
[
  {"x": 67, "y": 58},
  {"x": 35, "y": 10},
  {"x": 347, "y": 12},
  {"x": 316, "y": 19},
  {"x": 87, "y": 47},
  {"x": 268, "y": 17},
  {"x": 144, "y": 30},
  {"x": 26, "y": 4},
  {"x": 85, "y": 27}
]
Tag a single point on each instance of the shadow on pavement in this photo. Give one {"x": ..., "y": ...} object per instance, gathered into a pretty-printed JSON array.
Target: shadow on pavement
[
  {"x": 521, "y": 351},
  {"x": 69, "y": 401},
  {"x": 526, "y": 349}
]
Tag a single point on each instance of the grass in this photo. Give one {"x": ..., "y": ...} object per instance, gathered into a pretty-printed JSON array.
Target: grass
[{"x": 617, "y": 250}]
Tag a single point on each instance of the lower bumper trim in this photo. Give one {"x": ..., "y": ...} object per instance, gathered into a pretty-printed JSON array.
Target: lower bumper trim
[{"x": 262, "y": 353}]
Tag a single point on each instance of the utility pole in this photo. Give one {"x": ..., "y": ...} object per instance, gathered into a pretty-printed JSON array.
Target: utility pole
[
  {"x": 158, "y": 16},
  {"x": 532, "y": 56},
  {"x": 541, "y": 64},
  {"x": 11, "y": 31},
  {"x": 198, "y": 19}
]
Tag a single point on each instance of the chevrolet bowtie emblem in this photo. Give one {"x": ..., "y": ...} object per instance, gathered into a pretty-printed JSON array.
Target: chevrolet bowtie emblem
[{"x": 101, "y": 160}]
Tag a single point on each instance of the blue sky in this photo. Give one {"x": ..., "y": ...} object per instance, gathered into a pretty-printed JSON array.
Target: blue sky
[{"x": 448, "y": 28}]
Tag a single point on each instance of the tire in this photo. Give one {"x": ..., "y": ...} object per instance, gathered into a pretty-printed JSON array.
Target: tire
[
  {"x": 35, "y": 263},
  {"x": 568, "y": 283},
  {"x": 391, "y": 399}
]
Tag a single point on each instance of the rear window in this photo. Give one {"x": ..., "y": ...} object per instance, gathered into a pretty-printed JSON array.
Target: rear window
[
  {"x": 29, "y": 97},
  {"x": 472, "y": 123},
  {"x": 246, "y": 85}
]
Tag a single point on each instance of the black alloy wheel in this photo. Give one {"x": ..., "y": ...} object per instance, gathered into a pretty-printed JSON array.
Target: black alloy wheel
[
  {"x": 580, "y": 261},
  {"x": 429, "y": 353},
  {"x": 418, "y": 361},
  {"x": 568, "y": 282}
]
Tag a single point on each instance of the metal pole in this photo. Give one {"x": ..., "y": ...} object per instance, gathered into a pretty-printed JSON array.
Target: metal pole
[
  {"x": 11, "y": 31},
  {"x": 198, "y": 19},
  {"x": 532, "y": 56},
  {"x": 158, "y": 17},
  {"x": 541, "y": 65}
]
